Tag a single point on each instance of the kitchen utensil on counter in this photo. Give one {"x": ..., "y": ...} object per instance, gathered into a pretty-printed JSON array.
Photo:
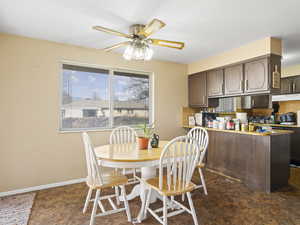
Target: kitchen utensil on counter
[{"x": 242, "y": 116}]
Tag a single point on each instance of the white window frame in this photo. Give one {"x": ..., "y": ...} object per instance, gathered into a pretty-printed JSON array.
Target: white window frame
[{"x": 110, "y": 95}]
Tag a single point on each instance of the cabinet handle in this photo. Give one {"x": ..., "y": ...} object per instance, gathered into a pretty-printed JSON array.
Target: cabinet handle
[
  {"x": 246, "y": 84},
  {"x": 252, "y": 103},
  {"x": 241, "y": 85}
]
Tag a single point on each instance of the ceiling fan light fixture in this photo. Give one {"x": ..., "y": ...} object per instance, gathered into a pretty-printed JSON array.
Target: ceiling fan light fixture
[{"x": 138, "y": 50}]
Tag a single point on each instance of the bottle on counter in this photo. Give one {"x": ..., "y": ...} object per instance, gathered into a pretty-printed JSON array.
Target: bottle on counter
[{"x": 237, "y": 124}]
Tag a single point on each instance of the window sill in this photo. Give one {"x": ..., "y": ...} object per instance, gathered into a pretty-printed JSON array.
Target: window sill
[{"x": 92, "y": 130}]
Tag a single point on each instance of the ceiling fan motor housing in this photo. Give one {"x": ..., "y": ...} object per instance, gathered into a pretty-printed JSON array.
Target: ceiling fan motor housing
[{"x": 136, "y": 28}]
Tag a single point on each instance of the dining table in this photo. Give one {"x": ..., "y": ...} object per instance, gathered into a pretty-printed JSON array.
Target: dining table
[{"x": 129, "y": 156}]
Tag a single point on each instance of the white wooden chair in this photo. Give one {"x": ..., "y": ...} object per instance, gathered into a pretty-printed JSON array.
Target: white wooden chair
[
  {"x": 201, "y": 135},
  {"x": 98, "y": 181},
  {"x": 179, "y": 157},
  {"x": 124, "y": 135}
]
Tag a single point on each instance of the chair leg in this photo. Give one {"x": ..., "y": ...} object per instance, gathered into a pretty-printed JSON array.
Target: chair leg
[
  {"x": 87, "y": 200},
  {"x": 134, "y": 174},
  {"x": 95, "y": 207},
  {"x": 192, "y": 208},
  {"x": 182, "y": 197},
  {"x": 117, "y": 195},
  {"x": 147, "y": 202},
  {"x": 126, "y": 203},
  {"x": 202, "y": 181},
  {"x": 165, "y": 211}
]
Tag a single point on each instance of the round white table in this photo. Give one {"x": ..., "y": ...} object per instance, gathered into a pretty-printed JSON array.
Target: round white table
[{"x": 129, "y": 156}]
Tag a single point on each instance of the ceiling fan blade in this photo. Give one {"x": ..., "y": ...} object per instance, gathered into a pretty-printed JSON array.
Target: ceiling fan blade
[
  {"x": 116, "y": 46},
  {"x": 165, "y": 43},
  {"x": 152, "y": 27},
  {"x": 110, "y": 31}
]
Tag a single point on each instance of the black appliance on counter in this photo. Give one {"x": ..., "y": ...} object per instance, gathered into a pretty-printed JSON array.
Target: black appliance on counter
[{"x": 208, "y": 116}]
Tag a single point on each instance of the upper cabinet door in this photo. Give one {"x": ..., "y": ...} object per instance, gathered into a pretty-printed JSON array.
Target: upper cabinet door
[
  {"x": 197, "y": 90},
  {"x": 286, "y": 86},
  {"x": 296, "y": 84},
  {"x": 256, "y": 76},
  {"x": 215, "y": 81},
  {"x": 233, "y": 77}
]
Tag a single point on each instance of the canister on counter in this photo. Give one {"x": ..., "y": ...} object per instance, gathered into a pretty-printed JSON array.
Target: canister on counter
[
  {"x": 244, "y": 127},
  {"x": 251, "y": 127}
]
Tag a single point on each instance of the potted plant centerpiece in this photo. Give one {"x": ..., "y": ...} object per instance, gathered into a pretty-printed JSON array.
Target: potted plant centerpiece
[{"x": 147, "y": 132}]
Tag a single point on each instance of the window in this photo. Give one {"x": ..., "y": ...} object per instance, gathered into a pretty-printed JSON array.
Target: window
[{"x": 95, "y": 98}]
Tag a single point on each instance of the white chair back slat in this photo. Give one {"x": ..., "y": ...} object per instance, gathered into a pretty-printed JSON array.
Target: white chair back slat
[
  {"x": 123, "y": 135},
  {"x": 180, "y": 157},
  {"x": 94, "y": 171},
  {"x": 201, "y": 135}
]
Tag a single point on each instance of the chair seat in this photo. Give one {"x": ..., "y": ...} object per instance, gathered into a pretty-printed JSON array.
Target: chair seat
[
  {"x": 201, "y": 165},
  {"x": 110, "y": 179},
  {"x": 178, "y": 190}
]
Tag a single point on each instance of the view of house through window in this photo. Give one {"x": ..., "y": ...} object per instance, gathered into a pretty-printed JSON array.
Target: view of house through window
[{"x": 97, "y": 98}]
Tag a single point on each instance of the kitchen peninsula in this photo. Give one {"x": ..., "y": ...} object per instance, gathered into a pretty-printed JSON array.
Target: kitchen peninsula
[{"x": 259, "y": 160}]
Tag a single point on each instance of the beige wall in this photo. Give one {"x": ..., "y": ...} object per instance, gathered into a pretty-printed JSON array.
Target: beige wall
[
  {"x": 248, "y": 51},
  {"x": 290, "y": 70},
  {"x": 33, "y": 152}
]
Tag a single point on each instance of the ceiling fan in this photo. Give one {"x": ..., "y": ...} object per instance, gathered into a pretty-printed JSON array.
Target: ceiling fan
[{"x": 138, "y": 47}]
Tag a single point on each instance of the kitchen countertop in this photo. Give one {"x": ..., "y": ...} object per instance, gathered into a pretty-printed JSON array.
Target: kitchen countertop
[
  {"x": 276, "y": 125},
  {"x": 273, "y": 132}
]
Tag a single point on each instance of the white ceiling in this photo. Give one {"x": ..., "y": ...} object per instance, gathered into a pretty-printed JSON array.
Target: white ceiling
[{"x": 207, "y": 27}]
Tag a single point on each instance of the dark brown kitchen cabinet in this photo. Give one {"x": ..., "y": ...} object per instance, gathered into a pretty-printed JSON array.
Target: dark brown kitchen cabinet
[
  {"x": 257, "y": 76},
  {"x": 290, "y": 85},
  {"x": 286, "y": 86},
  {"x": 215, "y": 82},
  {"x": 296, "y": 84},
  {"x": 197, "y": 90},
  {"x": 233, "y": 80}
]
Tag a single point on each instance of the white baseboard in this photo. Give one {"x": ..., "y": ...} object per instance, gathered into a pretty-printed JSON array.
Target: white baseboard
[{"x": 41, "y": 187}]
